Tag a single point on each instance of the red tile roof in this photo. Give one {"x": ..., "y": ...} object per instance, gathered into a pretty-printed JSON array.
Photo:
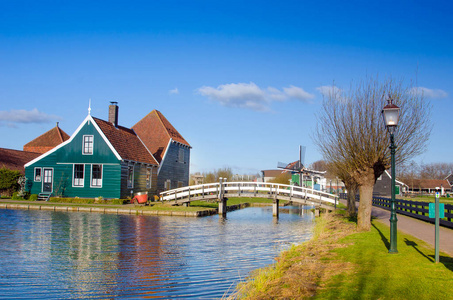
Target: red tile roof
[
  {"x": 156, "y": 131},
  {"x": 47, "y": 141},
  {"x": 15, "y": 159},
  {"x": 429, "y": 183},
  {"x": 126, "y": 142}
]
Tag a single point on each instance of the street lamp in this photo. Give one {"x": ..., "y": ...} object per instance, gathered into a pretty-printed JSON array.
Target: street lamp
[{"x": 391, "y": 113}]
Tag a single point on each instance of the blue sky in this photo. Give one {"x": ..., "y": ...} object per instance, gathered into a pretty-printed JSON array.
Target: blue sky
[{"x": 242, "y": 81}]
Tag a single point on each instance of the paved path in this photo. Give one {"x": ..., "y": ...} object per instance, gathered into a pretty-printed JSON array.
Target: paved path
[{"x": 422, "y": 230}]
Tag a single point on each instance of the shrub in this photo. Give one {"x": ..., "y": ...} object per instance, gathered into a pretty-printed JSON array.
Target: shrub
[
  {"x": 119, "y": 201},
  {"x": 33, "y": 197},
  {"x": 8, "y": 181},
  {"x": 16, "y": 196}
]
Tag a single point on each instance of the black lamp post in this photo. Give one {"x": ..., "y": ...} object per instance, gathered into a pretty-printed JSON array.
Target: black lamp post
[{"x": 390, "y": 113}]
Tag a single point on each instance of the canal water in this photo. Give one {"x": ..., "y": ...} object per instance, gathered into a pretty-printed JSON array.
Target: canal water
[{"x": 57, "y": 255}]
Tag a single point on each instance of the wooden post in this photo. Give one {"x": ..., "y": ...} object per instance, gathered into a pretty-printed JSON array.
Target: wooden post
[
  {"x": 275, "y": 208},
  {"x": 222, "y": 200}
]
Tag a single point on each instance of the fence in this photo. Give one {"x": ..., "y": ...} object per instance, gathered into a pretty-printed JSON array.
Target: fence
[{"x": 414, "y": 209}]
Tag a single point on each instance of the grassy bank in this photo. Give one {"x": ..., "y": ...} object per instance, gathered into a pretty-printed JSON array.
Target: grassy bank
[
  {"x": 339, "y": 263},
  {"x": 155, "y": 206}
]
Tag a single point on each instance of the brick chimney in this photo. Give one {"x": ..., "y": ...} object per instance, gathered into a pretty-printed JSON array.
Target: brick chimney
[{"x": 113, "y": 113}]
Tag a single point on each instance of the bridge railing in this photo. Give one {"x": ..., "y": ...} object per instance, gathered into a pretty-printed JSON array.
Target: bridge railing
[{"x": 213, "y": 190}]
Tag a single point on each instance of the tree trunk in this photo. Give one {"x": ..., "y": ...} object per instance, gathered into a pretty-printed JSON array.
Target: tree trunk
[
  {"x": 352, "y": 192},
  {"x": 366, "y": 186}
]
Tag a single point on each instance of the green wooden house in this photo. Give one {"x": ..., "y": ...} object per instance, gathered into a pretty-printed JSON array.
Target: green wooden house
[{"x": 101, "y": 159}]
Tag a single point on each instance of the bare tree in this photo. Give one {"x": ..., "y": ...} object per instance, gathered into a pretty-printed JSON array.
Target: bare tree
[
  {"x": 340, "y": 170},
  {"x": 350, "y": 131},
  {"x": 436, "y": 170}
]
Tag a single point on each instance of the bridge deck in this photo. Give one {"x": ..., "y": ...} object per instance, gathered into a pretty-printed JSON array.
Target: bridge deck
[{"x": 217, "y": 191}]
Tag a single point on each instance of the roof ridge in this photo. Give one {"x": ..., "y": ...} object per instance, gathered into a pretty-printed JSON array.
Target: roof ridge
[{"x": 159, "y": 114}]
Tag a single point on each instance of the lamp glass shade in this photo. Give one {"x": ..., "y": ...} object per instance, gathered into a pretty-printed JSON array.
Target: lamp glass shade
[{"x": 391, "y": 114}]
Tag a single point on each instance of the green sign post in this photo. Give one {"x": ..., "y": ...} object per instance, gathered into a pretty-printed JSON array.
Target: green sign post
[{"x": 437, "y": 211}]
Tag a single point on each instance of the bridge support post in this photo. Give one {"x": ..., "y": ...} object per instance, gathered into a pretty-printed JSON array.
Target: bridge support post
[
  {"x": 222, "y": 199},
  {"x": 223, "y": 206},
  {"x": 275, "y": 208}
]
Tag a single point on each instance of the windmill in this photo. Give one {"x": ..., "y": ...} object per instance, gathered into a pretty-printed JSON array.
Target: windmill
[{"x": 298, "y": 167}]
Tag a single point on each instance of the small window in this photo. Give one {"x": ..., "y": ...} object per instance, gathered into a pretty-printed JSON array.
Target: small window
[
  {"x": 38, "y": 174},
  {"x": 380, "y": 177},
  {"x": 130, "y": 176},
  {"x": 181, "y": 155},
  {"x": 78, "y": 175},
  {"x": 148, "y": 178},
  {"x": 96, "y": 175},
  {"x": 167, "y": 185},
  {"x": 87, "y": 145}
]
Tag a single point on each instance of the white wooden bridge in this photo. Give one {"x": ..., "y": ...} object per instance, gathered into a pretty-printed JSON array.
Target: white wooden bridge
[{"x": 220, "y": 191}]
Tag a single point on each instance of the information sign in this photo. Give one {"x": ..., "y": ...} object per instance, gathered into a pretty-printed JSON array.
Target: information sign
[{"x": 432, "y": 210}]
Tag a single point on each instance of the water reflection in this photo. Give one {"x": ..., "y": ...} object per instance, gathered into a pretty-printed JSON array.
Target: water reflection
[{"x": 87, "y": 255}]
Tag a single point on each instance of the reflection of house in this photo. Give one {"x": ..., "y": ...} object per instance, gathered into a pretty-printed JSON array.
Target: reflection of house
[
  {"x": 382, "y": 187},
  {"x": 100, "y": 159},
  {"x": 429, "y": 186}
]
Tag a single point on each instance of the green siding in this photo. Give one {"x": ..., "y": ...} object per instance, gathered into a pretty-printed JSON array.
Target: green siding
[{"x": 63, "y": 159}]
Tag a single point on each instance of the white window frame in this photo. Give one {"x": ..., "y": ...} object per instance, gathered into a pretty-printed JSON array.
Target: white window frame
[
  {"x": 149, "y": 175},
  {"x": 167, "y": 184},
  {"x": 40, "y": 175},
  {"x": 130, "y": 180},
  {"x": 87, "y": 142},
  {"x": 99, "y": 181},
  {"x": 79, "y": 180}
]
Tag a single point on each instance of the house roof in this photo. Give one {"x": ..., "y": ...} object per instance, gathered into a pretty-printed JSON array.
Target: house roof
[
  {"x": 15, "y": 159},
  {"x": 156, "y": 132},
  {"x": 429, "y": 183},
  {"x": 126, "y": 142},
  {"x": 47, "y": 140}
]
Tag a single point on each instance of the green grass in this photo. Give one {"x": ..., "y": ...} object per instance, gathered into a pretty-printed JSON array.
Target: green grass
[
  {"x": 194, "y": 206},
  {"x": 410, "y": 274},
  {"x": 339, "y": 263},
  {"x": 428, "y": 199}
]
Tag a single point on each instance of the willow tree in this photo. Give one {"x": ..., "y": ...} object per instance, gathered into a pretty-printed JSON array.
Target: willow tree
[
  {"x": 339, "y": 169},
  {"x": 351, "y": 132}
]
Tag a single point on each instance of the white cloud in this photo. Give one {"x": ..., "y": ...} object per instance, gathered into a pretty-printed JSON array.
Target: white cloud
[
  {"x": 298, "y": 93},
  {"x": 26, "y": 116},
  {"x": 174, "y": 91},
  {"x": 329, "y": 90},
  {"x": 428, "y": 93},
  {"x": 251, "y": 96}
]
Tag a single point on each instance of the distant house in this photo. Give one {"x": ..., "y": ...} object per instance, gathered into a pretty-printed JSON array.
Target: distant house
[
  {"x": 168, "y": 147},
  {"x": 269, "y": 175},
  {"x": 429, "y": 186},
  {"x": 15, "y": 159},
  {"x": 101, "y": 158},
  {"x": 47, "y": 141},
  {"x": 382, "y": 187}
]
